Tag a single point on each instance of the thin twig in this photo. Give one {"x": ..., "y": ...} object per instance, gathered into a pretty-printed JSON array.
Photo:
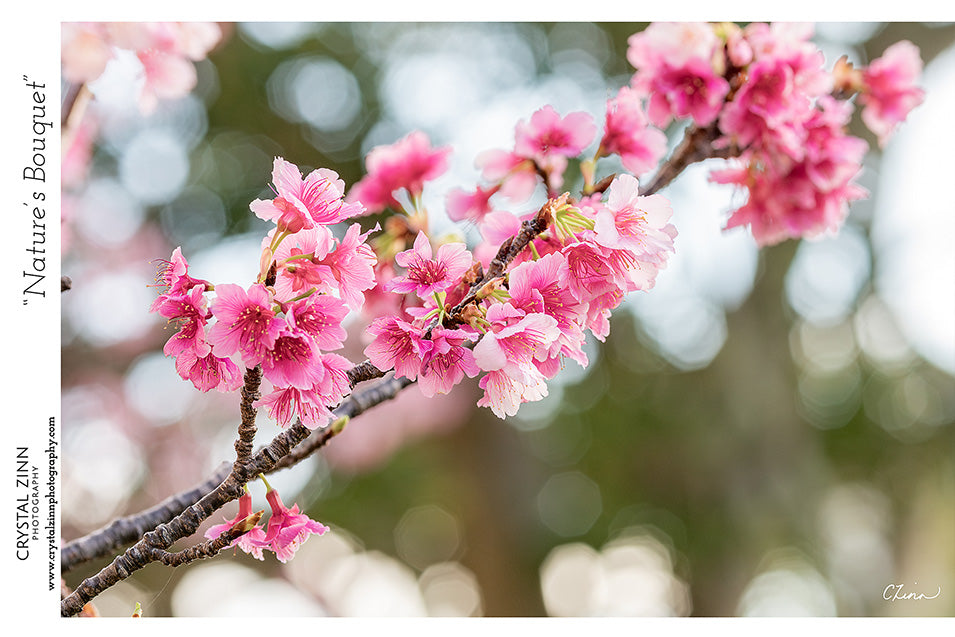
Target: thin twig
[{"x": 201, "y": 551}]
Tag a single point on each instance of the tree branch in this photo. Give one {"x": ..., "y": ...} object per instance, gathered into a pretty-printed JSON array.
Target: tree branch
[
  {"x": 201, "y": 551},
  {"x": 696, "y": 146},
  {"x": 250, "y": 394},
  {"x": 153, "y": 544},
  {"x": 130, "y": 528}
]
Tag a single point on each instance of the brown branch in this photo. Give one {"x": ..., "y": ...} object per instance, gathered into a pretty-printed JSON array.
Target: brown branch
[
  {"x": 70, "y": 95},
  {"x": 201, "y": 551},
  {"x": 130, "y": 528},
  {"x": 185, "y": 524},
  {"x": 363, "y": 371},
  {"x": 154, "y": 543},
  {"x": 350, "y": 408},
  {"x": 510, "y": 249},
  {"x": 250, "y": 394},
  {"x": 696, "y": 146},
  {"x": 76, "y": 99}
]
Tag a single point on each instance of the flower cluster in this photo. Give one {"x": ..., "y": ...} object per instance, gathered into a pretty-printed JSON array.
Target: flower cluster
[
  {"x": 513, "y": 308},
  {"x": 524, "y": 323},
  {"x": 766, "y": 93},
  {"x": 438, "y": 312},
  {"x": 289, "y": 321},
  {"x": 542, "y": 146},
  {"x": 287, "y": 528},
  {"x": 165, "y": 50}
]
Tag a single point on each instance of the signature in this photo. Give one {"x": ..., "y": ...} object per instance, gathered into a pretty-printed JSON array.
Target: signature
[{"x": 895, "y": 592}]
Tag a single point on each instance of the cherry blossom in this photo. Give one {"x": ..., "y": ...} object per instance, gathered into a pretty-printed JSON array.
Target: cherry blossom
[
  {"x": 245, "y": 322},
  {"x": 287, "y": 528},
  {"x": 302, "y": 203},
  {"x": 627, "y": 133},
  {"x": 397, "y": 344},
  {"x": 248, "y": 541},
  {"x": 889, "y": 92},
  {"x": 426, "y": 275},
  {"x": 406, "y": 164},
  {"x": 446, "y": 362}
]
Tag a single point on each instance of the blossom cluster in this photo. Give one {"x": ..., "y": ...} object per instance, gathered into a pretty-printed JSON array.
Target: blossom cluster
[
  {"x": 165, "y": 50},
  {"x": 287, "y": 528},
  {"x": 513, "y": 308},
  {"x": 438, "y": 312},
  {"x": 765, "y": 91},
  {"x": 517, "y": 329},
  {"x": 289, "y": 321}
]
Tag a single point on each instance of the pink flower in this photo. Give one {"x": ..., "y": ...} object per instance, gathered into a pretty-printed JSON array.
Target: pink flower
[
  {"x": 249, "y": 540},
  {"x": 352, "y": 264},
  {"x": 515, "y": 339},
  {"x": 889, "y": 92},
  {"x": 335, "y": 385},
  {"x": 542, "y": 286},
  {"x": 84, "y": 51},
  {"x": 672, "y": 44},
  {"x": 674, "y": 63},
  {"x": 294, "y": 360},
  {"x": 627, "y": 133},
  {"x": 189, "y": 310},
  {"x": 314, "y": 259},
  {"x": 447, "y": 361},
  {"x": 285, "y": 403},
  {"x": 378, "y": 301},
  {"x": 598, "y": 312},
  {"x": 173, "y": 275},
  {"x": 407, "y": 163},
  {"x": 208, "y": 372},
  {"x": 427, "y": 275},
  {"x": 397, "y": 344},
  {"x": 196, "y": 39},
  {"x": 304, "y": 203},
  {"x": 768, "y": 110},
  {"x": 790, "y": 43},
  {"x": 514, "y": 174},
  {"x": 589, "y": 269},
  {"x": 167, "y": 76},
  {"x": 806, "y": 198},
  {"x": 321, "y": 317},
  {"x": 782, "y": 82},
  {"x": 547, "y": 135},
  {"x": 472, "y": 206},
  {"x": 510, "y": 352},
  {"x": 299, "y": 262},
  {"x": 287, "y": 528},
  {"x": 505, "y": 391},
  {"x": 246, "y": 323},
  {"x": 693, "y": 90},
  {"x": 633, "y": 222}
]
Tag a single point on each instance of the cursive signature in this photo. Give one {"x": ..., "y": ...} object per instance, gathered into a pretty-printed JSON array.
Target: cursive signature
[{"x": 893, "y": 592}]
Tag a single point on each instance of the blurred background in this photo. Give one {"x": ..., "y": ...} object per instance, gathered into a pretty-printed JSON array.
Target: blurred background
[{"x": 764, "y": 433}]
